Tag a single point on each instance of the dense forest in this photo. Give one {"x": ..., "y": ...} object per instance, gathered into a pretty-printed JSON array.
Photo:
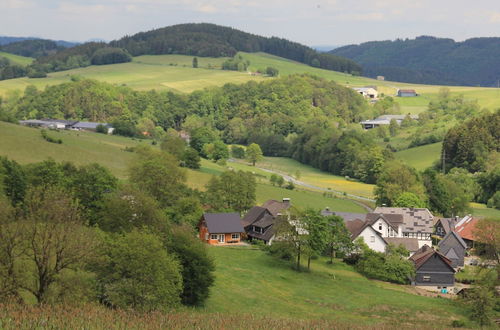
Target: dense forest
[
  {"x": 32, "y": 48},
  {"x": 218, "y": 41},
  {"x": 429, "y": 60},
  {"x": 5, "y": 40}
]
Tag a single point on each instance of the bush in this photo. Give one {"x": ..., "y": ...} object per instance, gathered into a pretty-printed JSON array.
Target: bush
[
  {"x": 290, "y": 186},
  {"x": 238, "y": 152},
  {"x": 50, "y": 139},
  {"x": 137, "y": 272},
  {"x": 101, "y": 129},
  {"x": 110, "y": 55},
  {"x": 494, "y": 201},
  {"x": 458, "y": 324}
]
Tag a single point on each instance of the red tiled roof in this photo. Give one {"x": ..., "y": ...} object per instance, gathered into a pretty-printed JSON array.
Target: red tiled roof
[{"x": 466, "y": 229}]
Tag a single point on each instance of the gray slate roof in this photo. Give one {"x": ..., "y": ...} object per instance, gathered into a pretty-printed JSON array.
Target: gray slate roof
[
  {"x": 255, "y": 213},
  {"x": 416, "y": 220},
  {"x": 457, "y": 236},
  {"x": 344, "y": 215},
  {"x": 88, "y": 125},
  {"x": 223, "y": 223}
]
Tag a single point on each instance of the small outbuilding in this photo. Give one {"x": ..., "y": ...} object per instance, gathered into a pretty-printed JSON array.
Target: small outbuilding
[
  {"x": 432, "y": 269},
  {"x": 407, "y": 93},
  {"x": 221, "y": 228}
]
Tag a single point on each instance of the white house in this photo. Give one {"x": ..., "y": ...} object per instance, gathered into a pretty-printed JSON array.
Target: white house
[{"x": 409, "y": 227}]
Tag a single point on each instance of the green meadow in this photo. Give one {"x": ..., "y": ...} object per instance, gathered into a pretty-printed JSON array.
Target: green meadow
[
  {"x": 421, "y": 157},
  {"x": 175, "y": 73},
  {"x": 249, "y": 280},
  {"x": 16, "y": 59}
]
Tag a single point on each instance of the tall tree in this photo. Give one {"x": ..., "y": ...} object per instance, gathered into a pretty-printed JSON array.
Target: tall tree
[
  {"x": 395, "y": 179},
  {"x": 158, "y": 174},
  {"x": 232, "y": 191},
  {"x": 254, "y": 153}
]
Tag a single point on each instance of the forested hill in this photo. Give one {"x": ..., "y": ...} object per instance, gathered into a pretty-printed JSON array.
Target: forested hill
[
  {"x": 429, "y": 60},
  {"x": 32, "y": 48},
  {"x": 203, "y": 40}
]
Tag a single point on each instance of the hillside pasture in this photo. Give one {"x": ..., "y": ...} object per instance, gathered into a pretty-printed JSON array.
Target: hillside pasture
[
  {"x": 421, "y": 157},
  {"x": 25, "y": 145},
  {"x": 16, "y": 59},
  {"x": 251, "y": 281}
]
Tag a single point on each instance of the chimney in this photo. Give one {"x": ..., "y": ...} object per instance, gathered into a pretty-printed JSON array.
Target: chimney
[{"x": 286, "y": 201}]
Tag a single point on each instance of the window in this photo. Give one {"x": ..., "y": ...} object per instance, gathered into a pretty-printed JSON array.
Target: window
[
  {"x": 214, "y": 236},
  {"x": 235, "y": 236},
  {"x": 405, "y": 235},
  {"x": 372, "y": 238},
  {"x": 206, "y": 236},
  {"x": 426, "y": 278},
  {"x": 221, "y": 238},
  {"x": 380, "y": 226}
]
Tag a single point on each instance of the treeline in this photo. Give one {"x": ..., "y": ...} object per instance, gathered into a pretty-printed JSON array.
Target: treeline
[
  {"x": 212, "y": 40},
  {"x": 32, "y": 48},
  {"x": 429, "y": 60},
  {"x": 472, "y": 144},
  {"x": 9, "y": 70}
]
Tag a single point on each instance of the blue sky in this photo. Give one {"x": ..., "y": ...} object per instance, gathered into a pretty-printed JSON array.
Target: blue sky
[{"x": 314, "y": 22}]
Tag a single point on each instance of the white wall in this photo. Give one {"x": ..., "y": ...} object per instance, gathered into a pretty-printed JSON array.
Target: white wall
[{"x": 372, "y": 239}]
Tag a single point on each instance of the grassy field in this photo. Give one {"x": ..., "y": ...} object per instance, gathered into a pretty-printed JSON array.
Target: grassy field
[
  {"x": 480, "y": 210},
  {"x": 316, "y": 177},
  {"x": 175, "y": 72},
  {"x": 25, "y": 145},
  {"x": 421, "y": 157},
  {"x": 248, "y": 280},
  {"x": 16, "y": 59},
  {"x": 255, "y": 291}
]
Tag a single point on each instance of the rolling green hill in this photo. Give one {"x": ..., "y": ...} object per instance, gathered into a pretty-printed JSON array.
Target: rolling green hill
[
  {"x": 175, "y": 72},
  {"x": 16, "y": 59}
]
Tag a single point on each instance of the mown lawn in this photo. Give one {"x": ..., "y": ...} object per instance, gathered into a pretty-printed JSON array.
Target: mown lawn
[{"x": 249, "y": 280}]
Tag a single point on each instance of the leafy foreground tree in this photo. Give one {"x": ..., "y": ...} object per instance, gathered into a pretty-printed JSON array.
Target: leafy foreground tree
[
  {"x": 158, "y": 174},
  {"x": 338, "y": 237},
  {"x": 136, "y": 271},
  {"x": 54, "y": 239},
  {"x": 408, "y": 199},
  {"x": 197, "y": 266}
]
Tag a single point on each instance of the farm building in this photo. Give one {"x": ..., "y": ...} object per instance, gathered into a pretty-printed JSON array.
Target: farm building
[
  {"x": 221, "y": 228},
  {"x": 42, "y": 124},
  {"x": 407, "y": 93},
  {"x": 433, "y": 269},
  {"x": 444, "y": 226},
  {"x": 367, "y": 92},
  {"x": 465, "y": 228},
  {"x": 386, "y": 120}
]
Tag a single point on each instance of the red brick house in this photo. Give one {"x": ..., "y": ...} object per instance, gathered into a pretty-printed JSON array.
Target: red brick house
[{"x": 221, "y": 228}]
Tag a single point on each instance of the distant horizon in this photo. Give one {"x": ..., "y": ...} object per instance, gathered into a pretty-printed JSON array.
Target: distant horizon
[
  {"x": 322, "y": 47},
  {"x": 323, "y": 22}
]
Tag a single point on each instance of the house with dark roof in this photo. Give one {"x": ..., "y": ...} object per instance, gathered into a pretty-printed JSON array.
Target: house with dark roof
[
  {"x": 259, "y": 221},
  {"x": 380, "y": 230},
  {"x": 416, "y": 222},
  {"x": 432, "y": 269},
  {"x": 444, "y": 226},
  {"x": 453, "y": 247},
  {"x": 221, "y": 228},
  {"x": 347, "y": 216}
]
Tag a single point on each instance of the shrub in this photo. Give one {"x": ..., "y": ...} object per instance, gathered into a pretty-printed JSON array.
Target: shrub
[
  {"x": 50, "y": 139},
  {"x": 238, "y": 152}
]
